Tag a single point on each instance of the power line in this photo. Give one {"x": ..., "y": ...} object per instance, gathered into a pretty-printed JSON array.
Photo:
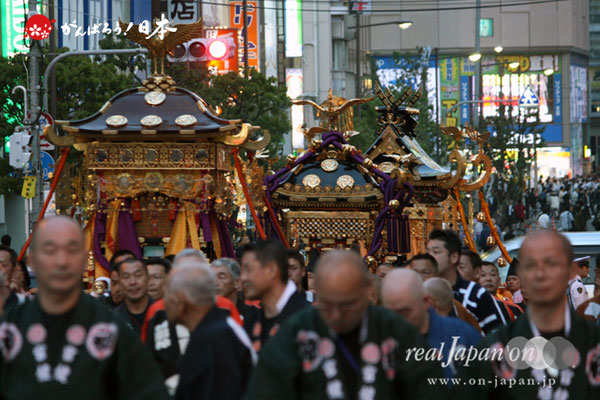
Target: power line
[{"x": 457, "y": 7}]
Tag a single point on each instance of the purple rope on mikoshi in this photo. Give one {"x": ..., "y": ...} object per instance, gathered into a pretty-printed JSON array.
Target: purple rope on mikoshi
[{"x": 387, "y": 185}]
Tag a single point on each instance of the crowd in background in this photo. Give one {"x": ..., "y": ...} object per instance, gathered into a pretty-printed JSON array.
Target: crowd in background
[{"x": 563, "y": 204}]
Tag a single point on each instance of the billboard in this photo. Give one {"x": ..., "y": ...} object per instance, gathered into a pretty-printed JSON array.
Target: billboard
[
  {"x": 454, "y": 81},
  {"x": 293, "y": 28},
  {"x": 14, "y": 16},
  {"x": 236, "y": 15},
  {"x": 450, "y": 89},
  {"x": 229, "y": 64},
  {"x": 502, "y": 84}
]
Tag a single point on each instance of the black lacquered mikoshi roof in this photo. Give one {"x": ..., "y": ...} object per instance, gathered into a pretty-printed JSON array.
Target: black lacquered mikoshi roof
[
  {"x": 328, "y": 183},
  {"x": 179, "y": 114}
]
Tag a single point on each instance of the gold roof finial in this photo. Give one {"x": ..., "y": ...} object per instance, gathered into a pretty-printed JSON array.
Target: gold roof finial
[{"x": 335, "y": 113}]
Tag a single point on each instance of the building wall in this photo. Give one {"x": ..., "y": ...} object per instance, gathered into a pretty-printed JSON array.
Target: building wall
[{"x": 550, "y": 25}]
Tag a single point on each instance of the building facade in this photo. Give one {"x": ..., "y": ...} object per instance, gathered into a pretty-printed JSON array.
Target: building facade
[{"x": 539, "y": 37}]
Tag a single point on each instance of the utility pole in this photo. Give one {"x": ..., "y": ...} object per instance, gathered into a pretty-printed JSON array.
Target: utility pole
[
  {"x": 53, "y": 110},
  {"x": 32, "y": 120},
  {"x": 245, "y": 16}
]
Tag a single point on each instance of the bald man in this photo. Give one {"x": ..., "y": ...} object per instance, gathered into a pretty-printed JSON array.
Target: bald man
[
  {"x": 65, "y": 344},
  {"x": 343, "y": 348},
  {"x": 443, "y": 302},
  {"x": 544, "y": 268},
  {"x": 404, "y": 294},
  {"x": 169, "y": 340},
  {"x": 219, "y": 356}
]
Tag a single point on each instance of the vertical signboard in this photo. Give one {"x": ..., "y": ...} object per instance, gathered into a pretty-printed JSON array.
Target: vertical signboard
[
  {"x": 294, "y": 89},
  {"x": 579, "y": 89},
  {"x": 449, "y": 89},
  {"x": 270, "y": 37},
  {"x": 236, "y": 15},
  {"x": 293, "y": 28},
  {"x": 14, "y": 16}
]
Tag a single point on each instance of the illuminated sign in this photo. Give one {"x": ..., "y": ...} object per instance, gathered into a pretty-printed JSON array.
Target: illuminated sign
[
  {"x": 294, "y": 89},
  {"x": 503, "y": 85},
  {"x": 230, "y": 63},
  {"x": 293, "y": 28},
  {"x": 14, "y": 15},
  {"x": 486, "y": 27}
]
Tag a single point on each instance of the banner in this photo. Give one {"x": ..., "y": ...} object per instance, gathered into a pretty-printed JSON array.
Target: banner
[{"x": 237, "y": 13}]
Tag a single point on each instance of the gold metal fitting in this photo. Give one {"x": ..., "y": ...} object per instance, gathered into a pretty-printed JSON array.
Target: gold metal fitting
[
  {"x": 501, "y": 262},
  {"x": 394, "y": 204},
  {"x": 480, "y": 216},
  {"x": 367, "y": 163}
]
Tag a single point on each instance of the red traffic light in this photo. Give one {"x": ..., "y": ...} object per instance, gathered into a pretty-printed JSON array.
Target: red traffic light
[
  {"x": 204, "y": 49},
  {"x": 179, "y": 52},
  {"x": 197, "y": 49},
  {"x": 218, "y": 49}
]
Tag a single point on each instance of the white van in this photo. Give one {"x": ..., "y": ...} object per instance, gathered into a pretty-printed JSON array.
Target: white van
[{"x": 584, "y": 244}]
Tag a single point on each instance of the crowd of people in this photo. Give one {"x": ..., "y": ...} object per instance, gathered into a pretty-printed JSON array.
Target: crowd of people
[
  {"x": 563, "y": 204},
  {"x": 258, "y": 328}
]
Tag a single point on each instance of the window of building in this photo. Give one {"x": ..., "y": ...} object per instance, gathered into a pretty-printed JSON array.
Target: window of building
[{"x": 340, "y": 55}]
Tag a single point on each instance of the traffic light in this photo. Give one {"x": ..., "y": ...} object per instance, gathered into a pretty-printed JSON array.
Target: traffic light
[
  {"x": 204, "y": 49},
  {"x": 20, "y": 152}
]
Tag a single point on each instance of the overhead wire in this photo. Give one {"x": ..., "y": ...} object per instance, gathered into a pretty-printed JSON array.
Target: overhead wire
[{"x": 459, "y": 5}]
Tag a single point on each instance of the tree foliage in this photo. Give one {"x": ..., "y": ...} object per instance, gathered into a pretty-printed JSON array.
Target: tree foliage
[
  {"x": 413, "y": 75},
  {"x": 257, "y": 100},
  {"x": 512, "y": 149}
]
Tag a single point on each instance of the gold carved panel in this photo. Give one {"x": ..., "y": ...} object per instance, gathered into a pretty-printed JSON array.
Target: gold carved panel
[
  {"x": 329, "y": 225},
  {"x": 153, "y": 156}
]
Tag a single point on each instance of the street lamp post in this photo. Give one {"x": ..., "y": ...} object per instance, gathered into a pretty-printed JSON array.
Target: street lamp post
[{"x": 477, "y": 88}]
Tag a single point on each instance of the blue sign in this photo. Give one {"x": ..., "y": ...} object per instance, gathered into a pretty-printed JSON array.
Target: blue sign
[
  {"x": 47, "y": 164},
  {"x": 529, "y": 98},
  {"x": 557, "y": 98},
  {"x": 464, "y": 96}
]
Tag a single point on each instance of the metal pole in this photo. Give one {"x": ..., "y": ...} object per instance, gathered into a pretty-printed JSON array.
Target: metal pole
[
  {"x": 477, "y": 93},
  {"x": 245, "y": 16},
  {"x": 438, "y": 105},
  {"x": 35, "y": 54},
  {"x": 53, "y": 110},
  {"x": 53, "y": 63}
]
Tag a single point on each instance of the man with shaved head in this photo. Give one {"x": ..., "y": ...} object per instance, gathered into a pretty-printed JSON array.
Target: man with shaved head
[
  {"x": 404, "y": 294},
  {"x": 219, "y": 356},
  {"x": 570, "y": 344},
  {"x": 65, "y": 344},
  {"x": 169, "y": 340},
  {"x": 343, "y": 348}
]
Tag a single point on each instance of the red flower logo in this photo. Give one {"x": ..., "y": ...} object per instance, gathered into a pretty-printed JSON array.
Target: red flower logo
[{"x": 38, "y": 27}]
